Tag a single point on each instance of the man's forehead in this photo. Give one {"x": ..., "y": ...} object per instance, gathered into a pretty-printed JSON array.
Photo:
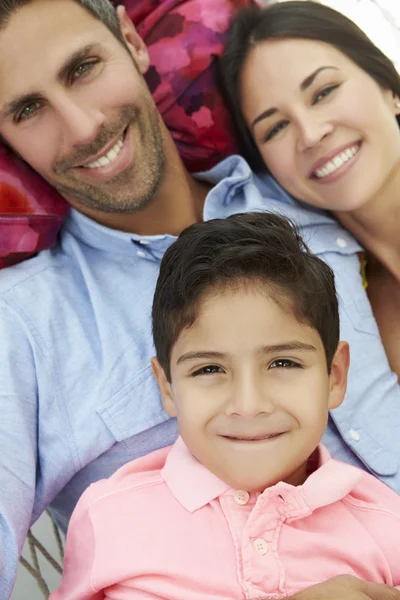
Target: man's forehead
[{"x": 39, "y": 38}]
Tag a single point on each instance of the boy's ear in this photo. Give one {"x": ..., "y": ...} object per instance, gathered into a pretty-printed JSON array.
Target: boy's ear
[
  {"x": 338, "y": 375},
  {"x": 133, "y": 40},
  {"x": 165, "y": 387}
]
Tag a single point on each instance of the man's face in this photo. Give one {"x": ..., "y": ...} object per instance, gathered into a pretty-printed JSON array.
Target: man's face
[
  {"x": 75, "y": 107},
  {"x": 251, "y": 390}
]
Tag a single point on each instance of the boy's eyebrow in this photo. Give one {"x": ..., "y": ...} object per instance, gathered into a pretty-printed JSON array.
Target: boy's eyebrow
[
  {"x": 287, "y": 347},
  {"x": 72, "y": 61},
  {"x": 309, "y": 80},
  {"x": 188, "y": 356}
]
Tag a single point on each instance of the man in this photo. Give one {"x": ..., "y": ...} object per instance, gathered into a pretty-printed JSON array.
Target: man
[{"x": 77, "y": 395}]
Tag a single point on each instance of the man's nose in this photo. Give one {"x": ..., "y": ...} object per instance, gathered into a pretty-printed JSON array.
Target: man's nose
[
  {"x": 250, "y": 398},
  {"x": 80, "y": 124}
]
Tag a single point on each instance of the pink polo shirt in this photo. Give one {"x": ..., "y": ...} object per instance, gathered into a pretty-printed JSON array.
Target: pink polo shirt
[{"x": 165, "y": 527}]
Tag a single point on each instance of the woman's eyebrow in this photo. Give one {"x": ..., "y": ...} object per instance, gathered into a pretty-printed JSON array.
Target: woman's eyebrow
[{"x": 309, "y": 80}]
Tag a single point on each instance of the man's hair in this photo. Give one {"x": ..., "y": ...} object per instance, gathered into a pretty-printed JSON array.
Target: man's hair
[
  {"x": 261, "y": 248},
  {"x": 102, "y": 10}
]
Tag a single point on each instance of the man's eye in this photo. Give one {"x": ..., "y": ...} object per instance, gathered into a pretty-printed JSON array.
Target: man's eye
[
  {"x": 284, "y": 363},
  {"x": 83, "y": 69},
  {"x": 324, "y": 93},
  {"x": 208, "y": 370},
  {"x": 27, "y": 112},
  {"x": 275, "y": 130}
]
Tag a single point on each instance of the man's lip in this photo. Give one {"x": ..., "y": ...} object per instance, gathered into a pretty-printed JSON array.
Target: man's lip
[
  {"x": 102, "y": 152},
  {"x": 325, "y": 159}
]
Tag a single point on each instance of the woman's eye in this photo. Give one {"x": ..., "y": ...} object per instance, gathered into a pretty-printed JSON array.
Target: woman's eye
[
  {"x": 284, "y": 363},
  {"x": 83, "y": 69},
  {"x": 208, "y": 370},
  {"x": 27, "y": 112},
  {"x": 324, "y": 93},
  {"x": 275, "y": 130}
]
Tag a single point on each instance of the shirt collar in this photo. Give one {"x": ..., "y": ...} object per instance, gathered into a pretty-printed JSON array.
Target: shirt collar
[{"x": 194, "y": 486}]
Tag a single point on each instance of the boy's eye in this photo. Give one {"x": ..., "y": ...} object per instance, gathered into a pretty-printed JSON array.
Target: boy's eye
[
  {"x": 208, "y": 370},
  {"x": 275, "y": 130},
  {"x": 323, "y": 93},
  {"x": 284, "y": 363}
]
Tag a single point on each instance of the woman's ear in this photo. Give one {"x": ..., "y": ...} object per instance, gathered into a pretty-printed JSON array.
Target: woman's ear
[
  {"x": 165, "y": 388},
  {"x": 133, "y": 40},
  {"x": 338, "y": 375}
]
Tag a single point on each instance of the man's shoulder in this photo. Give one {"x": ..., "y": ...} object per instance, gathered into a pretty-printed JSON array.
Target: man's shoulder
[{"x": 46, "y": 265}]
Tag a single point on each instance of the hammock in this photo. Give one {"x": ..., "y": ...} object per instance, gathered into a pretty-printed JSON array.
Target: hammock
[{"x": 37, "y": 549}]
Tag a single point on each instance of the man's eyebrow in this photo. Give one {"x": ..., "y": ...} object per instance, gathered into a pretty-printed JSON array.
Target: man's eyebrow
[
  {"x": 287, "y": 347},
  {"x": 70, "y": 63},
  {"x": 303, "y": 86},
  {"x": 15, "y": 105},
  {"x": 188, "y": 356},
  {"x": 74, "y": 59}
]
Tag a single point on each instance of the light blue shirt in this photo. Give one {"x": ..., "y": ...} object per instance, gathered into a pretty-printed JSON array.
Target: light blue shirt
[{"x": 77, "y": 395}]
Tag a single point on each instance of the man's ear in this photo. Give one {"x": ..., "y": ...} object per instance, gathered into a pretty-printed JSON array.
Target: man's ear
[
  {"x": 338, "y": 375},
  {"x": 165, "y": 388},
  {"x": 133, "y": 40}
]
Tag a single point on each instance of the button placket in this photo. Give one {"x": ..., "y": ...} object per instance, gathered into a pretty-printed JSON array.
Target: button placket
[{"x": 241, "y": 497}]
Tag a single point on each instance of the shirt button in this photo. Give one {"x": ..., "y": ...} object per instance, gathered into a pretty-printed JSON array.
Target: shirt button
[
  {"x": 354, "y": 435},
  {"x": 260, "y": 546},
  {"x": 141, "y": 254},
  {"x": 341, "y": 243},
  {"x": 241, "y": 497}
]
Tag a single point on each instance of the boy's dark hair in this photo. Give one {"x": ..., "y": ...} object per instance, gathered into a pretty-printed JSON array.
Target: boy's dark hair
[
  {"x": 294, "y": 20},
  {"x": 251, "y": 247}
]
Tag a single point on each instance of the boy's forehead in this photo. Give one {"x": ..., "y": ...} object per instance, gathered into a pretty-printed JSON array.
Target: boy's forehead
[{"x": 39, "y": 37}]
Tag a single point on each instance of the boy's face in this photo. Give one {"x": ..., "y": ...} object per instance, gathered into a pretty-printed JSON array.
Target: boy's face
[{"x": 250, "y": 389}]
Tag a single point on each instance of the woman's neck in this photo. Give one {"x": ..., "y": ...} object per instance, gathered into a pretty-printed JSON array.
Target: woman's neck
[{"x": 377, "y": 224}]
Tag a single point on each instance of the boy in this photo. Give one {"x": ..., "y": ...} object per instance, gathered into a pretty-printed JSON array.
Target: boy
[{"x": 247, "y": 503}]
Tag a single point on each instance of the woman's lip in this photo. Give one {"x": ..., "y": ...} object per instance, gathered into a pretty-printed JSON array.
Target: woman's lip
[{"x": 322, "y": 162}]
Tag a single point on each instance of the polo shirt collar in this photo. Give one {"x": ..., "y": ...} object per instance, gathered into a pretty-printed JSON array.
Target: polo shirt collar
[{"x": 194, "y": 486}]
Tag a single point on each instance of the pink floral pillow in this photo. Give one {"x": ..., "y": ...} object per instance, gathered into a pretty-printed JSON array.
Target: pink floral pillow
[{"x": 184, "y": 38}]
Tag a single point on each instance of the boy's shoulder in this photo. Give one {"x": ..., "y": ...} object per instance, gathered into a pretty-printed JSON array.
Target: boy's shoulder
[{"x": 135, "y": 477}]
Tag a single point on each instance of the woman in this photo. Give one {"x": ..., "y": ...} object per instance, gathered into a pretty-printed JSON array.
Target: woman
[{"x": 317, "y": 104}]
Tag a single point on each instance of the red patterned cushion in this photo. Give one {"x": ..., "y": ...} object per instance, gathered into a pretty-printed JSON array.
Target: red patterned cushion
[{"x": 184, "y": 37}]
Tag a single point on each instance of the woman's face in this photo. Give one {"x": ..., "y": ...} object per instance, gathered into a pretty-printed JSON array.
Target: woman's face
[{"x": 326, "y": 131}]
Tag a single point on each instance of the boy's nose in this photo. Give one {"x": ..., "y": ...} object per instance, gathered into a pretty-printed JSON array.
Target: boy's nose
[{"x": 249, "y": 399}]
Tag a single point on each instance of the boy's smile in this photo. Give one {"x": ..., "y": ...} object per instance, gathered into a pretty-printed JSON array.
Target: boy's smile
[{"x": 250, "y": 387}]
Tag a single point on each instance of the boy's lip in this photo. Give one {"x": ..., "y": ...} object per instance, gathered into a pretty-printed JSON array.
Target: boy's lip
[{"x": 253, "y": 437}]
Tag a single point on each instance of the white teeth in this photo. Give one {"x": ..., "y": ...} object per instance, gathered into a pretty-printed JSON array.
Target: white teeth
[
  {"x": 335, "y": 163},
  {"x": 108, "y": 158}
]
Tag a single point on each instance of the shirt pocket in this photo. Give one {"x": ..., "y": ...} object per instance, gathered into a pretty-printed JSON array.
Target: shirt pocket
[{"x": 135, "y": 408}]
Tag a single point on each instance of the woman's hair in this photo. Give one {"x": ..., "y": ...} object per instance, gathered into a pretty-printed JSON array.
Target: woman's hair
[{"x": 287, "y": 20}]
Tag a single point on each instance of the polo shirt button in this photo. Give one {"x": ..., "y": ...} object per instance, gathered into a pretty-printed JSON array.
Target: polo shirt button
[
  {"x": 241, "y": 497},
  {"x": 341, "y": 243},
  {"x": 355, "y": 436},
  {"x": 140, "y": 254},
  {"x": 260, "y": 546}
]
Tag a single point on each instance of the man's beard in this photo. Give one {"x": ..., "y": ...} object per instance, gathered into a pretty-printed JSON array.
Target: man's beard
[{"x": 134, "y": 188}]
